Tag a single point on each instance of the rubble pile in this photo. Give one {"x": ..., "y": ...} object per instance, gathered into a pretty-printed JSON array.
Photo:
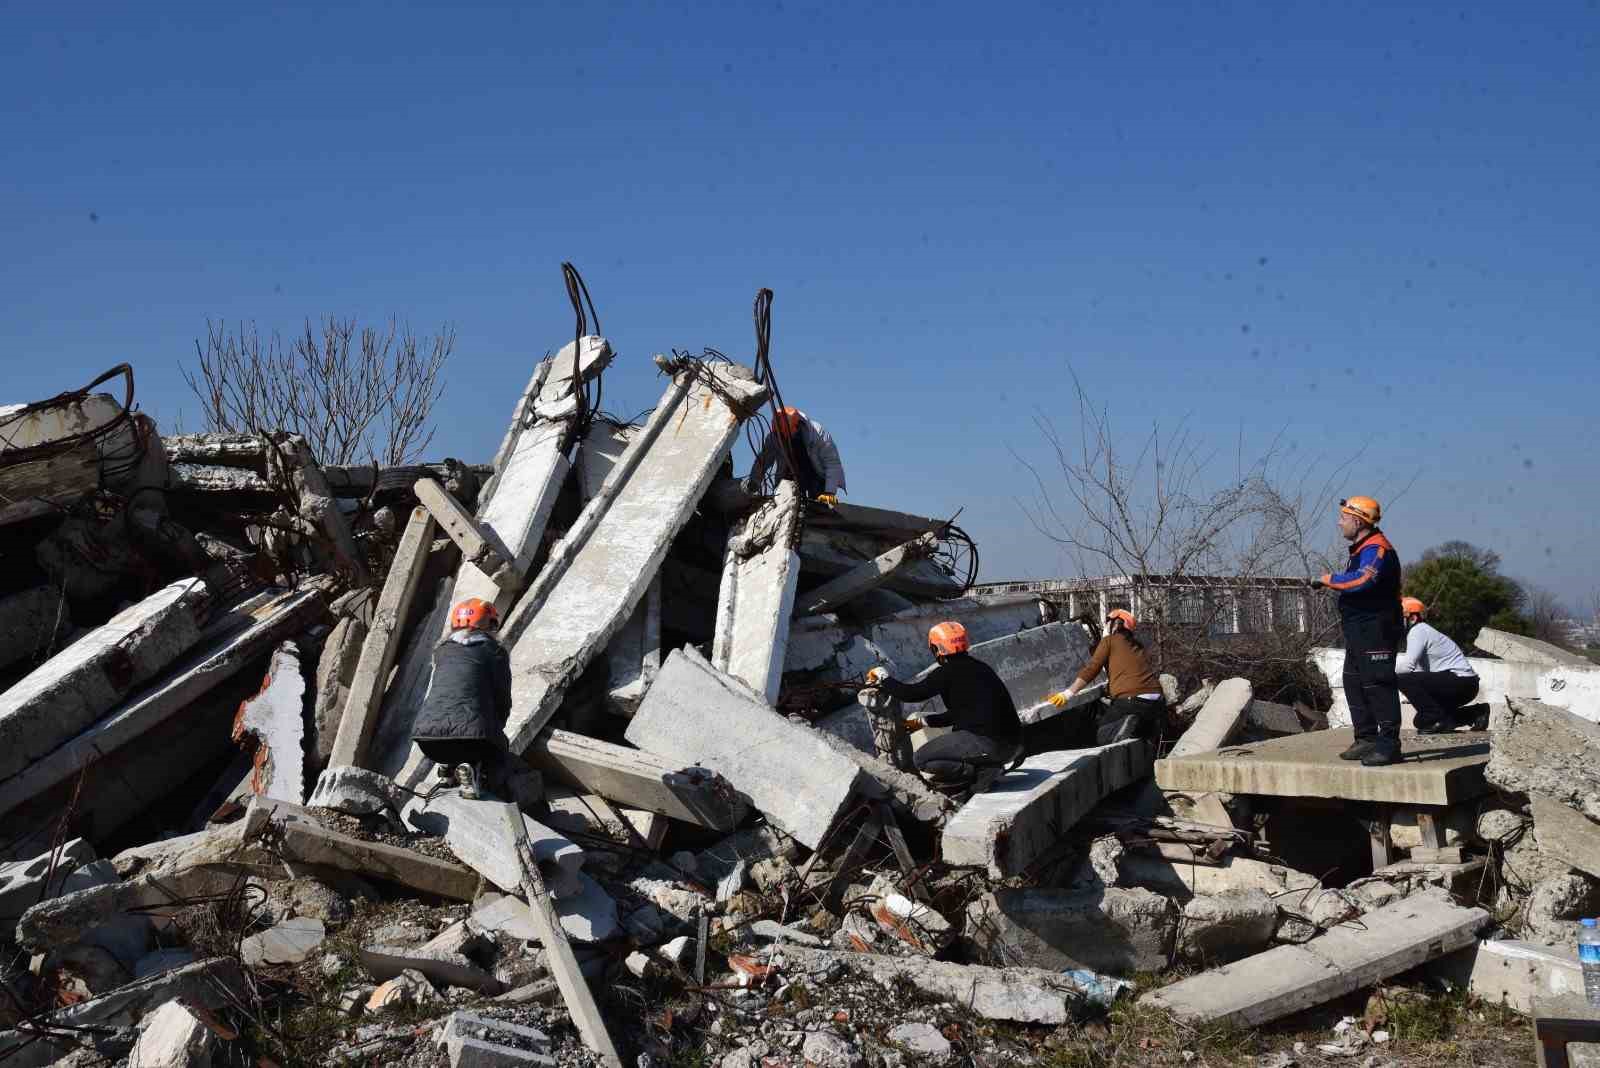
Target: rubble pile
[{"x": 219, "y": 841}]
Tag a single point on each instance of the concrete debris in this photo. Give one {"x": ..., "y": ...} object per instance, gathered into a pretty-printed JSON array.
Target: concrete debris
[
  {"x": 640, "y": 779},
  {"x": 474, "y": 1041},
  {"x": 408, "y": 990},
  {"x": 355, "y": 792},
  {"x": 272, "y": 724},
  {"x": 290, "y": 942},
  {"x": 1526, "y": 650},
  {"x": 173, "y": 1037},
  {"x": 1217, "y": 719},
  {"x": 1539, "y": 749},
  {"x": 756, "y": 597},
  {"x": 1219, "y": 928},
  {"x": 1109, "y": 930}
]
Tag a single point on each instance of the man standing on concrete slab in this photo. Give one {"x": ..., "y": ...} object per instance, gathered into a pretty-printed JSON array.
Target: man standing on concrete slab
[
  {"x": 1436, "y": 676},
  {"x": 1133, "y": 686},
  {"x": 987, "y": 735},
  {"x": 1369, "y": 614},
  {"x": 461, "y": 724},
  {"x": 818, "y": 470}
]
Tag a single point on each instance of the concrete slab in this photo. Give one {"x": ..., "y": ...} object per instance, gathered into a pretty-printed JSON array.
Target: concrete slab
[
  {"x": 1286, "y": 979},
  {"x": 756, "y": 597},
  {"x": 1566, "y": 834},
  {"x": 634, "y": 656},
  {"x": 1437, "y": 769},
  {"x": 1022, "y": 817},
  {"x": 474, "y": 1041},
  {"x": 476, "y": 834},
  {"x": 640, "y": 779},
  {"x": 696, "y": 714},
  {"x": 80, "y": 684},
  {"x": 1034, "y": 664},
  {"x": 1543, "y": 750},
  {"x": 599, "y": 571},
  {"x": 274, "y": 722},
  {"x": 868, "y": 576},
  {"x": 1527, "y": 650},
  {"x": 1218, "y": 719},
  {"x": 837, "y": 553}
]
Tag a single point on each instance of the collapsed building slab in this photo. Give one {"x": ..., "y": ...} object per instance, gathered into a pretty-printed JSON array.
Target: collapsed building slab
[
  {"x": 1022, "y": 816},
  {"x": 1527, "y": 650},
  {"x": 837, "y": 553},
  {"x": 697, "y": 715},
  {"x": 1286, "y": 979},
  {"x": 598, "y": 572},
  {"x": 274, "y": 722},
  {"x": 1548, "y": 751},
  {"x": 868, "y": 576},
  {"x": 640, "y": 779},
  {"x": 760, "y": 574},
  {"x": 1218, "y": 719},
  {"x": 1435, "y": 769},
  {"x": 74, "y": 688}
]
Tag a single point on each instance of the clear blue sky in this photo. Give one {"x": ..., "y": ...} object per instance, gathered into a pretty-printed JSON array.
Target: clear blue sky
[{"x": 1362, "y": 223}]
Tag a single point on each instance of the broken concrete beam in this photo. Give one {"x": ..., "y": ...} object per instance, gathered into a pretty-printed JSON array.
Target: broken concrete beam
[
  {"x": 77, "y": 686},
  {"x": 697, "y": 715},
  {"x": 878, "y": 571},
  {"x": 391, "y": 750},
  {"x": 1527, "y": 650},
  {"x": 336, "y": 669},
  {"x": 1024, "y": 995},
  {"x": 598, "y": 453},
  {"x": 1022, "y": 816},
  {"x": 1217, "y": 720},
  {"x": 1512, "y": 973},
  {"x": 476, "y": 834},
  {"x": 634, "y": 656},
  {"x": 641, "y": 779},
  {"x": 598, "y": 572},
  {"x": 232, "y": 450},
  {"x": 291, "y": 463},
  {"x": 382, "y": 646},
  {"x": 31, "y": 622},
  {"x": 1286, "y": 979},
  {"x": 1543, "y": 750},
  {"x": 760, "y": 573},
  {"x": 1436, "y": 769},
  {"x": 837, "y": 553},
  {"x": 480, "y": 546},
  {"x": 1109, "y": 929},
  {"x": 274, "y": 720}
]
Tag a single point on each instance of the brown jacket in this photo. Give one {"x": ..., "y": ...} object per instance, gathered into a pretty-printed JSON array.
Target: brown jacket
[{"x": 1129, "y": 670}]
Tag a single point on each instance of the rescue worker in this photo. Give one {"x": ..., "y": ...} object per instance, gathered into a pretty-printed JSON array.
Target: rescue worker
[
  {"x": 1137, "y": 702},
  {"x": 1369, "y": 615},
  {"x": 1436, "y": 676},
  {"x": 819, "y": 473},
  {"x": 987, "y": 735},
  {"x": 461, "y": 724}
]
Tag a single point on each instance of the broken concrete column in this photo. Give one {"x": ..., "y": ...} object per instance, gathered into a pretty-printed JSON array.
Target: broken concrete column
[
  {"x": 1286, "y": 979},
  {"x": 382, "y": 646},
  {"x": 1527, "y": 650},
  {"x": 390, "y": 750},
  {"x": 476, "y": 834},
  {"x": 760, "y": 573},
  {"x": 77, "y": 686},
  {"x": 697, "y": 715},
  {"x": 1218, "y": 719},
  {"x": 274, "y": 720},
  {"x": 876, "y": 572},
  {"x": 640, "y": 779},
  {"x": 1549, "y": 751},
  {"x": 838, "y": 552},
  {"x": 1021, "y": 818},
  {"x": 480, "y": 546},
  {"x": 336, "y": 669},
  {"x": 1111, "y": 930},
  {"x": 600, "y": 569},
  {"x": 291, "y": 463},
  {"x": 31, "y": 622}
]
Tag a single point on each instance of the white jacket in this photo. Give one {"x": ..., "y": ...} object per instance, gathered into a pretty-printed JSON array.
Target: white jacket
[{"x": 1429, "y": 650}]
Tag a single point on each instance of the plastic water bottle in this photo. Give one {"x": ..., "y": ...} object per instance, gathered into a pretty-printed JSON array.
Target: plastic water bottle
[{"x": 1589, "y": 959}]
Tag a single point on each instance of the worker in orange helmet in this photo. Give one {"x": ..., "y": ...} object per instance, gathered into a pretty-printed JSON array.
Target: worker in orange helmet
[
  {"x": 987, "y": 735},
  {"x": 818, "y": 472},
  {"x": 1369, "y": 615},
  {"x": 1136, "y": 703},
  {"x": 461, "y": 724},
  {"x": 1436, "y": 676}
]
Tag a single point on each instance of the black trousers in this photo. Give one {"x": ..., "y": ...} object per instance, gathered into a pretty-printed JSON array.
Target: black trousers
[
  {"x": 1437, "y": 695},
  {"x": 1122, "y": 718},
  {"x": 1371, "y": 689},
  {"x": 491, "y": 759},
  {"x": 956, "y": 757}
]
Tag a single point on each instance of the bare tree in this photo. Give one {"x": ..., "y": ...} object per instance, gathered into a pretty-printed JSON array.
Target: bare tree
[
  {"x": 355, "y": 396},
  {"x": 1545, "y": 613}
]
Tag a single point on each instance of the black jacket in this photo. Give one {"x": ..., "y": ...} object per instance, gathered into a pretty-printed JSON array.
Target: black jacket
[
  {"x": 469, "y": 695},
  {"x": 974, "y": 698}
]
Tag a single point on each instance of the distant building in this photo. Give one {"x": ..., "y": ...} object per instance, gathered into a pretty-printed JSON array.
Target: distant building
[{"x": 1220, "y": 605}]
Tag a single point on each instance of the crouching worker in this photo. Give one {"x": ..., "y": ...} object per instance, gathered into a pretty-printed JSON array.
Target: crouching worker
[
  {"x": 987, "y": 735},
  {"x": 1137, "y": 703},
  {"x": 1436, "y": 676},
  {"x": 461, "y": 724}
]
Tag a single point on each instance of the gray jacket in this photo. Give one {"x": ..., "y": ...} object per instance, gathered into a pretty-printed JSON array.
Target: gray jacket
[
  {"x": 819, "y": 446},
  {"x": 469, "y": 693}
]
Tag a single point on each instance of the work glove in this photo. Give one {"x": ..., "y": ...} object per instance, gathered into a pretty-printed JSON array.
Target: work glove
[
  {"x": 1059, "y": 699},
  {"x": 829, "y": 499},
  {"x": 1319, "y": 583},
  {"x": 912, "y": 724},
  {"x": 877, "y": 675}
]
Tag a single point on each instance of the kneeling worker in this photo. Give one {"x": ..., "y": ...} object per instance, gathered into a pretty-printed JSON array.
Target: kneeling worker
[
  {"x": 461, "y": 724},
  {"x": 1136, "y": 701},
  {"x": 818, "y": 473},
  {"x": 1436, "y": 676},
  {"x": 987, "y": 735}
]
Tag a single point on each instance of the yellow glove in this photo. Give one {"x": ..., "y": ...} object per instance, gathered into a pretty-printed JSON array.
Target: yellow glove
[
  {"x": 877, "y": 675},
  {"x": 1059, "y": 699},
  {"x": 911, "y": 724},
  {"x": 827, "y": 498}
]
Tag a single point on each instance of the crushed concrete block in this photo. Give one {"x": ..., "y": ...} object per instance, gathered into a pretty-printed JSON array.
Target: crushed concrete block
[
  {"x": 22, "y": 882},
  {"x": 440, "y": 965},
  {"x": 475, "y": 1041},
  {"x": 355, "y": 792},
  {"x": 923, "y": 1040},
  {"x": 1527, "y": 650},
  {"x": 289, "y": 942},
  {"x": 1218, "y": 719},
  {"x": 597, "y": 573},
  {"x": 172, "y": 1037},
  {"x": 476, "y": 834},
  {"x": 1110, "y": 930},
  {"x": 639, "y": 779},
  {"x": 1549, "y": 751},
  {"x": 826, "y": 1049},
  {"x": 336, "y": 669},
  {"x": 274, "y": 722},
  {"x": 1286, "y": 979},
  {"x": 1023, "y": 815},
  {"x": 78, "y": 685},
  {"x": 697, "y": 715},
  {"x": 755, "y": 599},
  {"x": 1270, "y": 717},
  {"x": 1218, "y": 928}
]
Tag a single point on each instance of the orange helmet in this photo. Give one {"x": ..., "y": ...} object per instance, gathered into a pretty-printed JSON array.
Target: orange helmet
[
  {"x": 787, "y": 421},
  {"x": 1412, "y": 607},
  {"x": 474, "y": 614},
  {"x": 1363, "y": 508},
  {"x": 1126, "y": 617},
  {"x": 947, "y": 639}
]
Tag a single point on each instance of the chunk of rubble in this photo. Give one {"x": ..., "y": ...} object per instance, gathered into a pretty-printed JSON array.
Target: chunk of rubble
[
  {"x": 474, "y": 1041},
  {"x": 1112, "y": 930},
  {"x": 24, "y": 883},
  {"x": 1540, "y": 749},
  {"x": 1219, "y": 928},
  {"x": 409, "y": 989},
  {"x": 274, "y": 722},
  {"x": 355, "y": 792},
  {"x": 1217, "y": 720},
  {"x": 289, "y": 942},
  {"x": 1527, "y": 650},
  {"x": 172, "y": 1037},
  {"x": 475, "y": 832}
]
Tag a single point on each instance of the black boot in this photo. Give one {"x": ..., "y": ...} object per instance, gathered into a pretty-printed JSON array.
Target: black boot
[
  {"x": 1358, "y": 749},
  {"x": 1382, "y": 755},
  {"x": 1479, "y": 717}
]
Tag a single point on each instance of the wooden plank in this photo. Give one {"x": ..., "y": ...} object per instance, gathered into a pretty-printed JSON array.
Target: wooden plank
[
  {"x": 480, "y": 546},
  {"x": 382, "y": 646}
]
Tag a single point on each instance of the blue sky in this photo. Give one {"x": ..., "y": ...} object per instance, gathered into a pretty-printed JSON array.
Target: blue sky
[{"x": 1366, "y": 225}]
